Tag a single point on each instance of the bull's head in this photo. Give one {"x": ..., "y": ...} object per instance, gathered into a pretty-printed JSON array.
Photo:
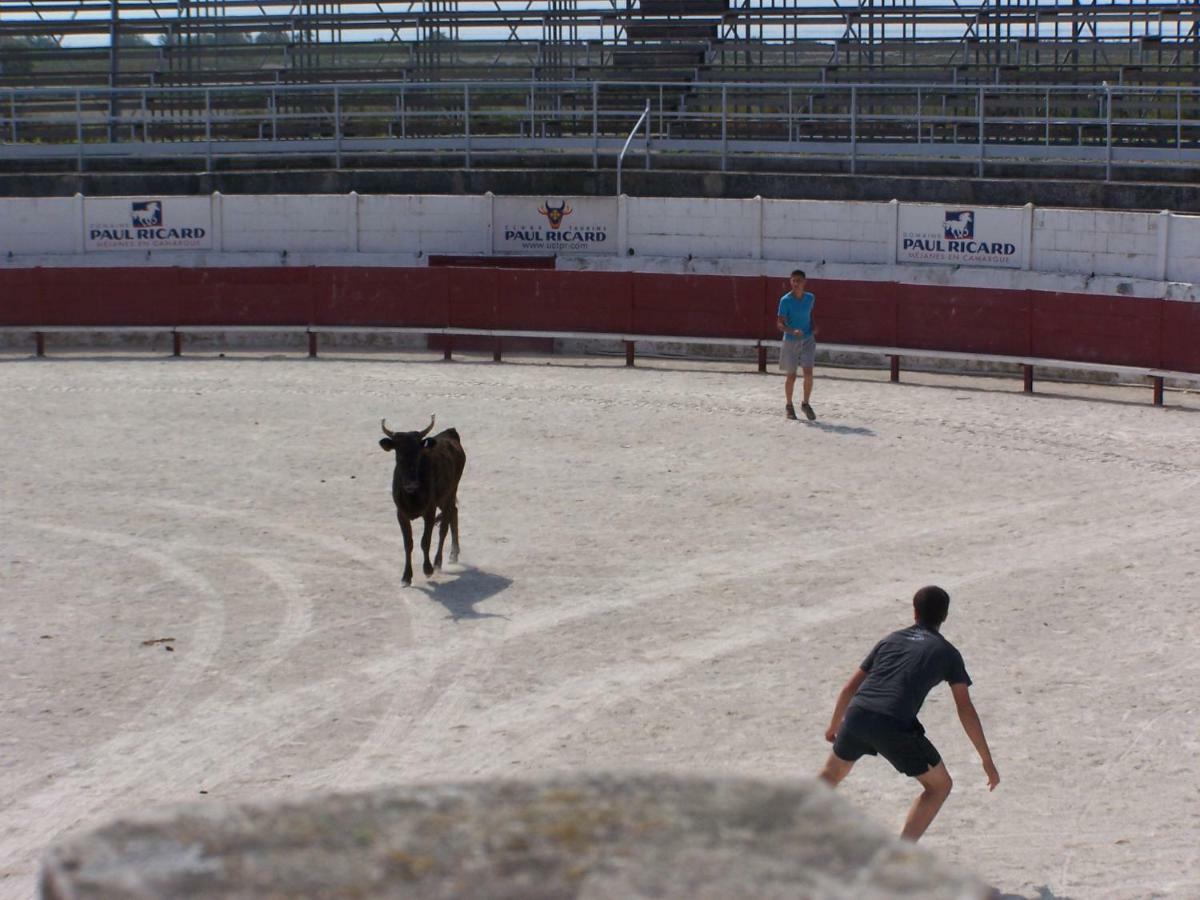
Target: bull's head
[
  {"x": 408, "y": 446},
  {"x": 555, "y": 216}
]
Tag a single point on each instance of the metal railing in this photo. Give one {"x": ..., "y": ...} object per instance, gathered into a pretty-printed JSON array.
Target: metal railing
[{"x": 1095, "y": 125}]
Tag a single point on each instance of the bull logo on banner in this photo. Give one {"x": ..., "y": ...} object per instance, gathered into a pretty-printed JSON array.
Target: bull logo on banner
[{"x": 555, "y": 215}]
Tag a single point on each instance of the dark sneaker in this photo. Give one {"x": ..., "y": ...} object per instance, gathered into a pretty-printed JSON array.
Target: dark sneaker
[
  {"x": 791, "y": 411},
  {"x": 808, "y": 411}
]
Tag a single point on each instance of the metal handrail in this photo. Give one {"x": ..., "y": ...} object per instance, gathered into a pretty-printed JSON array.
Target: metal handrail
[{"x": 620, "y": 159}]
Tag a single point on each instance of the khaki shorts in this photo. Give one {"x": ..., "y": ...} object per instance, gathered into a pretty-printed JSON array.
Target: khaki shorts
[{"x": 801, "y": 353}]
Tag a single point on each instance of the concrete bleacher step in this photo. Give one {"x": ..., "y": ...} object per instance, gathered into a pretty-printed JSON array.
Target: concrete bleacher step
[
  {"x": 670, "y": 30},
  {"x": 683, "y": 7},
  {"x": 659, "y": 57}
]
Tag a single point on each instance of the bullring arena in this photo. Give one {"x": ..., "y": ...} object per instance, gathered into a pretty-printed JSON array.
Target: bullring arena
[
  {"x": 236, "y": 235},
  {"x": 203, "y": 599}
]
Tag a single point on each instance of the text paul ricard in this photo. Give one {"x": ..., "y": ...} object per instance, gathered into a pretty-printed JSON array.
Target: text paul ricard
[
  {"x": 554, "y": 224},
  {"x": 174, "y": 223},
  {"x": 980, "y": 237}
]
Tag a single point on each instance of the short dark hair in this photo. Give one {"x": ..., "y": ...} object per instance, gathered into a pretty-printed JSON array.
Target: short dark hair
[
  {"x": 931, "y": 604},
  {"x": 798, "y": 272}
]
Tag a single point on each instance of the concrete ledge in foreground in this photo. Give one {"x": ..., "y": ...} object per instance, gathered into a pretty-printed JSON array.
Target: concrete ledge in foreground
[{"x": 587, "y": 836}]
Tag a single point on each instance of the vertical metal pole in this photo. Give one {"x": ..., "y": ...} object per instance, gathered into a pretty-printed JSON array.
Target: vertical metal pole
[
  {"x": 274, "y": 114},
  {"x": 208, "y": 127},
  {"x": 12, "y": 106},
  {"x": 648, "y": 134},
  {"x": 1048, "y": 117},
  {"x": 918, "y": 115},
  {"x": 979, "y": 104},
  {"x": 467, "y": 119},
  {"x": 79, "y": 130},
  {"x": 114, "y": 50},
  {"x": 1107, "y": 132},
  {"x": 724, "y": 129},
  {"x": 853, "y": 129},
  {"x": 337, "y": 125},
  {"x": 1178, "y": 121},
  {"x": 403, "y": 113},
  {"x": 595, "y": 123}
]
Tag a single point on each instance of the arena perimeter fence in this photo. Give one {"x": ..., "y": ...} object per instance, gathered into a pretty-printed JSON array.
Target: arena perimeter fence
[
  {"x": 1103, "y": 126},
  {"x": 1148, "y": 338}
]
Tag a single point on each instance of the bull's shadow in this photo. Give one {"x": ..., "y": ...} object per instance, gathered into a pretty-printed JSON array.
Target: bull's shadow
[{"x": 464, "y": 591}]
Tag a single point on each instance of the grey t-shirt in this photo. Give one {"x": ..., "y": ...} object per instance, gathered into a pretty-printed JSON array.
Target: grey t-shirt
[{"x": 903, "y": 668}]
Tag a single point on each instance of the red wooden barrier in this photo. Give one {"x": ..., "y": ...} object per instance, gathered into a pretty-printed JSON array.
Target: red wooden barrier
[{"x": 1083, "y": 327}]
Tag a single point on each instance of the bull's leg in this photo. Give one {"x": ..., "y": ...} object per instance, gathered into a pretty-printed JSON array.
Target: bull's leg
[
  {"x": 406, "y": 530},
  {"x": 452, "y": 515},
  {"x": 426, "y": 538},
  {"x": 443, "y": 528}
]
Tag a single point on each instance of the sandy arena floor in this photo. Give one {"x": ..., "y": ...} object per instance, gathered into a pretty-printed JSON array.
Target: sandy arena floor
[{"x": 658, "y": 572}]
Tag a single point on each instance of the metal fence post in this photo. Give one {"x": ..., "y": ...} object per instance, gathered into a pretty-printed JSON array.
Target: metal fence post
[
  {"x": 1178, "y": 121},
  {"x": 979, "y": 110},
  {"x": 595, "y": 125},
  {"x": 853, "y": 129},
  {"x": 467, "y": 120},
  {"x": 12, "y": 106},
  {"x": 724, "y": 128},
  {"x": 648, "y": 133},
  {"x": 208, "y": 128},
  {"x": 1107, "y": 132},
  {"x": 337, "y": 126},
  {"x": 79, "y": 130},
  {"x": 918, "y": 115}
]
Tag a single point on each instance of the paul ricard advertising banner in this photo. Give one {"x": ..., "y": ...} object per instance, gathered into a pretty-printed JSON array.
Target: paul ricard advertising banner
[
  {"x": 163, "y": 223},
  {"x": 960, "y": 235},
  {"x": 549, "y": 224}
]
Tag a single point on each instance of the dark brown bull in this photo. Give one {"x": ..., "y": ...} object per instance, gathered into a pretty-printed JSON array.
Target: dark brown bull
[{"x": 426, "y": 480}]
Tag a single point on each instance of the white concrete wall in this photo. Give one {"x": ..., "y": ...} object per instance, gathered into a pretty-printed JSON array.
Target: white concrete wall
[
  {"x": 1183, "y": 249},
  {"x": 1100, "y": 242},
  {"x": 1150, "y": 251},
  {"x": 668, "y": 226},
  {"x": 812, "y": 231},
  {"x": 291, "y": 222},
  {"x": 41, "y": 225},
  {"x": 424, "y": 224}
]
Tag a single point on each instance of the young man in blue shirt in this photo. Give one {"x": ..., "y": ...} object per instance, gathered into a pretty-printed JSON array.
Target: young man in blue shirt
[
  {"x": 795, "y": 320},
  {"x": 876, "y": 712}
]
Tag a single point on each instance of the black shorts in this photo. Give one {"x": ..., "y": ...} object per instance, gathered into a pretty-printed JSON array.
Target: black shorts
[{"x": 903, "y": 745}]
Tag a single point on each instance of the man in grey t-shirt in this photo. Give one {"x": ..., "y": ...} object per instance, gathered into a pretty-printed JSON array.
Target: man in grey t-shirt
[{"x": 876, "y": 712}]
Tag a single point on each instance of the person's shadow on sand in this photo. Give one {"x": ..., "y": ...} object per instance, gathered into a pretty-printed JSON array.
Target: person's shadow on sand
[
  {"x": 469, "y": 587},
  {"x": 839, "y": 429}
]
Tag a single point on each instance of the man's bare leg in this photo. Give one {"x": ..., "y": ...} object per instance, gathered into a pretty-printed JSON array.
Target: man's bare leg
[
  {"x": 835, "y": 770},
  {"x": 937, "y": 784},
  {"x": 789, "y": 385},
  {"x": 808, "y": 382}
]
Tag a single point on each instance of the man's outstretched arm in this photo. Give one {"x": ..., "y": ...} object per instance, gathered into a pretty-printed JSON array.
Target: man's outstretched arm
[
  {"x": 974, "y": 729},
  {"x": 839, "y": 710}
]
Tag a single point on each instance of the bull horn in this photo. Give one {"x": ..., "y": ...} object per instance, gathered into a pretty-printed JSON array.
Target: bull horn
[
  {"x": 428, "y": 428},
  {"x": 383, "y": 425}
]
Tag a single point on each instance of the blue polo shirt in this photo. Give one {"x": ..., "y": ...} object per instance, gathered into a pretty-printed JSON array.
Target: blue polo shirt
[{"x": 797, "y": 313}]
